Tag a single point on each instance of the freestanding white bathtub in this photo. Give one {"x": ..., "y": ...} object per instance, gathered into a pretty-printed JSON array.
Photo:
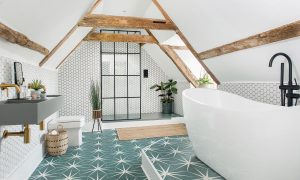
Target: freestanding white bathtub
[{"x": 242, "y": 139}]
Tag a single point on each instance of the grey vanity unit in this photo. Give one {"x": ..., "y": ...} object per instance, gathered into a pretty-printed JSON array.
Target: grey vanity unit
[{"x": 19, "y": 111}]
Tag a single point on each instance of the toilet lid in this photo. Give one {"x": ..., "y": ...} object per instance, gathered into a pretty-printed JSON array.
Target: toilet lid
[{"x": 65, "y": 119}]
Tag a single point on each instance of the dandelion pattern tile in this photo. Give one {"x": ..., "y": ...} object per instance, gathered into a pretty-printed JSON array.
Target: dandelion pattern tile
[
  {"x": 173, "y": 158},
  {"x": 103, "y": 156}
]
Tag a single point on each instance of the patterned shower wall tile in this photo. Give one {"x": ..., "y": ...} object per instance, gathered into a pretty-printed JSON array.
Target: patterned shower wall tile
[
  {"x": 84, "y": 64},
  {"x": 12, "y": 150},
  {"x": 266, "y": 92}
]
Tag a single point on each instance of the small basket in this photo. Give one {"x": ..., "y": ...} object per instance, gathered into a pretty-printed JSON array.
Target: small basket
[{"x": 57, "y": 144}]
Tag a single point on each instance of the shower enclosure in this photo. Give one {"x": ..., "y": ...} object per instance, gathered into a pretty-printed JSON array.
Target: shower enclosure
[{"x": 120, "y": 78}]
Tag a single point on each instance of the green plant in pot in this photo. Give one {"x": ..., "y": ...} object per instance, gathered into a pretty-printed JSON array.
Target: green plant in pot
[
  {"x": 43, "y": 95},
  {"x": 205, "y": 81},
  {"x": 167, "y": 89},
  {"x": 95, "y": 100},
  {"x": 36, "y": 86}
]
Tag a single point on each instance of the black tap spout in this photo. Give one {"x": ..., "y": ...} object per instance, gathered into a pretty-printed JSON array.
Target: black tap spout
[{"x": 289, "y": 62}]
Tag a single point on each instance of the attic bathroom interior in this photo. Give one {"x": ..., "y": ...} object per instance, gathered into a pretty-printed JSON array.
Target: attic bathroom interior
[{"x": 149, "y": 89}]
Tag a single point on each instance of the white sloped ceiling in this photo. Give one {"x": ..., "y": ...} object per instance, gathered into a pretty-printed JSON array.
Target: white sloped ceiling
[
  {"x": 211, "y": 23},
  {"x": 164, "y": 37},
  {"x": 206, "y": 24},
  {"x": 164, "y": 62},
  {"x": 43, "y": 21}
]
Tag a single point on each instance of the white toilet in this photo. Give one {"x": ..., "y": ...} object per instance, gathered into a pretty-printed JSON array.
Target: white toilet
[{"x": 73, "y": 125}]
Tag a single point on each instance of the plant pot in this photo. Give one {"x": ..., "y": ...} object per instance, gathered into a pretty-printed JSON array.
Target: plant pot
[
  {"x": 167, "y": 108},
  {"x": 35, "y": 94},
  {"x": 204, "y": 86},
  {"x": 97, "y": 114},
  {"x": 43, "y": 95}
]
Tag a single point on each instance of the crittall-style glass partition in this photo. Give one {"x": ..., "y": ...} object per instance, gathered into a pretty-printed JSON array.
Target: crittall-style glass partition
[{"x": 120, "y": 78}]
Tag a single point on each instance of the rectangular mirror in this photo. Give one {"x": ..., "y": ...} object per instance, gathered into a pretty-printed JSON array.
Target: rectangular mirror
[{"x": 19, "y": 79}]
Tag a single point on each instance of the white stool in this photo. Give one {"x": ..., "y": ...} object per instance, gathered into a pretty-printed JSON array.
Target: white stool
[{"x": 73, "y": 125}]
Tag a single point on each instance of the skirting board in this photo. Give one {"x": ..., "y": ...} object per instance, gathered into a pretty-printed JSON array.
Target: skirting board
[
  {"x": 148, "y": 168},
  {"x": 28, "y": 166}
]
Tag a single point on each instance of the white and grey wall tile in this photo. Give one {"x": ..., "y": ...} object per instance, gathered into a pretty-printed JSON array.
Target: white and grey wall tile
[
  {"x": 12, "y": 150},
  {"x": 74, "y": 78},
  {"x": 266, "y": 92},
  {"x": 84, "y": 64}
]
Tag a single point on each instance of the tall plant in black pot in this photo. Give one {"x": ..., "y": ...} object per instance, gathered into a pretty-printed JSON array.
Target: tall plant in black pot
[{"x": 167, "y": 89}]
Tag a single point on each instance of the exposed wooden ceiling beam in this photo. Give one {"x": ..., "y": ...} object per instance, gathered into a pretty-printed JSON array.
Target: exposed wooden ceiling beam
[
  {"x": 18, "y": 38},
  {"x": 79, "y": 43},
  {"x": 69, "y": 54},
  {"x": 108, "y": 37},
  {"x": 186, "y": 72},
  {"x": 151, "y": 34},
  {"x": 67, "y": 36},
  {"x": 46, "y": 58},
  {"x": 169, "y": 51},
  {"x": 185, "y": 40},
  {"x": 278, "y": 34},
  {"x": 107, "y": 21},
  {"x": 179, "y": 47}
]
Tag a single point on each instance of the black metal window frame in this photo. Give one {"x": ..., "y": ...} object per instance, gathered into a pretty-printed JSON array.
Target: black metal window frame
[{"x": 127, "y": 75}]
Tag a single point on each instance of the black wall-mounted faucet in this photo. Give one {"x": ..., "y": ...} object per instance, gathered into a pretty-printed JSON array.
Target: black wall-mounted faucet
[{"x": 290, "y": 87}]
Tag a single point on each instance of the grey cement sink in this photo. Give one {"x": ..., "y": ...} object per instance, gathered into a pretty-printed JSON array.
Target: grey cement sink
[{"x": 18, "y": 111}]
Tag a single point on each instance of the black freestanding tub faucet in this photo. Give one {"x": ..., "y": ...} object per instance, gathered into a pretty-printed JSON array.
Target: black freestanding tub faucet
[{"x": 289, "y": 87}]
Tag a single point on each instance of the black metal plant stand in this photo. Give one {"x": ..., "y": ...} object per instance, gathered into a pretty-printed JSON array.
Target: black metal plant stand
[{"x": 99, "y": 125}]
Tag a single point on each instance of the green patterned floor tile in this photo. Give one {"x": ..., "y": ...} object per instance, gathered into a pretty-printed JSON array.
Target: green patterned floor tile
[
  {"x": 103, "y": 156},
  {"x": 174, "y": 159}
]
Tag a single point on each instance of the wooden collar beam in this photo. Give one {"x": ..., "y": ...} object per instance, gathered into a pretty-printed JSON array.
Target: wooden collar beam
[
  {"x": 278, "y": 34},
  {"x": 179, "y": 47},
  {"x": 179, "y": 63},
  {"x": 108, "y": 37},
  {"x": 107, "y": 21},
  {"x": 186, "y": 72},
  {"x": 18, "y": 38}
]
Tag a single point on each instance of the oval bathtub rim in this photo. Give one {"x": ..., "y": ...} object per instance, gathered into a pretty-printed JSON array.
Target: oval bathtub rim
[{"x": 276, "y": 107}]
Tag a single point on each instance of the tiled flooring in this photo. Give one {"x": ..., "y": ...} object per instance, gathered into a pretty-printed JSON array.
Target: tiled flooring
[
  {"x": 173, "y": 158},
  {"x": 103, "y": 156}
]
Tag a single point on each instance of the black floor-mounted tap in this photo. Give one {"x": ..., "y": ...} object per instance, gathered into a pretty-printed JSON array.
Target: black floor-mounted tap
[{"x": 289, "y": 87}]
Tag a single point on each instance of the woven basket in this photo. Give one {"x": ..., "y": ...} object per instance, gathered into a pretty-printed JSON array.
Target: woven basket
[{"x": 57, "y": 144}]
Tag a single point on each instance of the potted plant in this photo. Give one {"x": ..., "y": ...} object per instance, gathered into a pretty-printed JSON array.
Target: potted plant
[
  {"x": 205, "y": 81},
  {"x": 36, "y": 85},
  {"x": 43, "y": 95},
  {"x": 95, "y": 102},
  {"x": 167, "y": 89}
]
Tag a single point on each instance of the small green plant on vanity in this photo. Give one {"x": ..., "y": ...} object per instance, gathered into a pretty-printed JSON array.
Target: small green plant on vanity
[
  {"x": 36, "y": 86},
  {"x": 43, "y": 95},
  {"x": 205, "y": 81},
  {"x": 167, "y": 89}
]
